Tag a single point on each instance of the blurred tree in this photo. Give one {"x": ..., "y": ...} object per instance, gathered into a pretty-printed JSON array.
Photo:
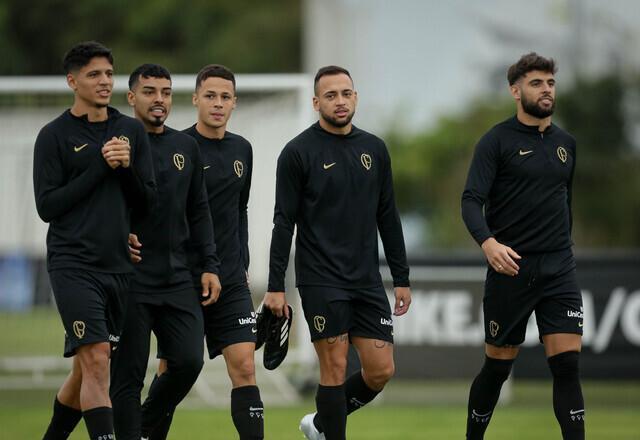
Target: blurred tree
[
  {"x": 246, "y": 35},
  {"x": 430, "y": 168}
]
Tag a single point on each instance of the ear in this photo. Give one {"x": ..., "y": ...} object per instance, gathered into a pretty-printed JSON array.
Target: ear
[
  {"x": 515, "y": 91},
  {"x": 71, "y": 82},
  {"x": 131, "y": 98},
  {"x": 235, "y": 101},
  {"x": 316, "y": 103},
  {"x": 194, "y": 99}
]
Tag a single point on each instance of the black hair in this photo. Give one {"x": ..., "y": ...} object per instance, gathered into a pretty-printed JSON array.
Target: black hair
[
  {"x": 82, "y": 53},
  {"x": 528, "y": 63},
  {"x": 148, "y": 71}
]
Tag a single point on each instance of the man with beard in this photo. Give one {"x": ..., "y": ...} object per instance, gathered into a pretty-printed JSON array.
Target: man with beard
[
  {"x": 162, "y": 298},
  {"x": 91, "y": 167},
  {"x": 517, "y": 206},
  {"x": 334, "y": 184}
]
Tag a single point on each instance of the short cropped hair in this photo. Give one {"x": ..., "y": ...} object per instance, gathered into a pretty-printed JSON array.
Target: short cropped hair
[
  {"x": 528, "y": 63},
  {"x": 82, "y": 53},
  {"x": 148, "y": 71},
  {"x": 329, "y": 70},
  {"x": 215, "y": 71}
]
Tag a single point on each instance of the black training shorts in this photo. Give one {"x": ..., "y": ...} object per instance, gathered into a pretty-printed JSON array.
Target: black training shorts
[
  {"x": 546, "y": 284},
  {"x": 91, "y": 305},
  {"x": 331, "y": 311},
  {"x": 230, "y": 320}
]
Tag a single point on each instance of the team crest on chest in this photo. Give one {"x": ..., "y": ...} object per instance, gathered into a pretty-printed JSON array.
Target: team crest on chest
[
  {"x": 238, "y": 167},
  {"x": 123, "y": 138},
  {"x": 178, "y": 161},
  {"x": 562, "y": 154},
  {"x": 366, "y": 161}
]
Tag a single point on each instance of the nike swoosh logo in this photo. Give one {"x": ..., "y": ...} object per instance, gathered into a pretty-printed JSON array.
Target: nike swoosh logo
[
  {"x": 326, "y": 167},
  {"x": 481, "y": 415},
  {"x": 207, "y": 167},
  {"x": 573, "y": 413},
  {"x": 524, "y": 153},
  {"x": 580, "y": 324},
  {"x": 254, "y": 330},
  {"x": 76, "y": 149}
]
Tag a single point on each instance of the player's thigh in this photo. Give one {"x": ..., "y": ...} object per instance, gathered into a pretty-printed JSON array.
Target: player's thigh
[
  {"x": 179, "y": 328},
  {"x": 560, "y": 315},
  {"x": 508, "y": 303},
  {"x": 81, "y": 300},
  {"x": 376, "y": 355},
  {"x": 328, "y": 312},
  {"x": 231, "y": 320}
]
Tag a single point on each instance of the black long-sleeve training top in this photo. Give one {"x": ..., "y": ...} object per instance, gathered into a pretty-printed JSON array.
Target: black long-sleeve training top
[
  {"x": 522, "y": 177},
  {"x": 228, "y": 165},
  {"x": 180, "y": 217},
  {"x": 338, "y": 191},
  {"x": 86, "y": 203}
]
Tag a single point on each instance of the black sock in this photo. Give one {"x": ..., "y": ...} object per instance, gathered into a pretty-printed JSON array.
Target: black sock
[
  {"x": 99, "y": 423},
  {"x": 484, "y": 395},
  {"x": 247, "y": 412},
  {"x": 568, "y": 403},
  {"x": 63, "y": 421},
  {"x": 332, "y": 411},
  {"x": 357, "y": 393}
]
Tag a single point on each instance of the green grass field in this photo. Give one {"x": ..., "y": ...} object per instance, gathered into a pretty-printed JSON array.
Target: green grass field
[
  {"x": 410, "y": 410},
  {"x": 377, "y": 422}
]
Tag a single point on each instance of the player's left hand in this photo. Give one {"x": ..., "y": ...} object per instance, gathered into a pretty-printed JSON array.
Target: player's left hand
[
  {"x": 403, "y": 300},
  {"x": 210, "y": 288}
]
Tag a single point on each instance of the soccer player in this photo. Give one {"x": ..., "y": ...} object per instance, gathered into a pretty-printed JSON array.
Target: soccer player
[
  {"x": 91, "y": 166},
  {"x": 334, "y": 184},
  {"x": 517, "y": 206},
  {"x": 230, "y": 322},
  {"x": 162, "y": 299}
]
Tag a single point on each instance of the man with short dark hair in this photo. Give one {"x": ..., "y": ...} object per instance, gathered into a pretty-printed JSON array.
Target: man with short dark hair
[
  {"x": 334, "y": 184},
  {"x": 230, "y": 322},
  {"x": 517, "y": 206},
  {"x": 91, "y": 167},
  {"x": 162, "y": 299}
]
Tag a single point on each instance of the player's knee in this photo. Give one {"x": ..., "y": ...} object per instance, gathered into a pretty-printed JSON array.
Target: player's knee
[
  {"x": 94, "y": 359},
  {"x": 189, "y": 365},
  {"x": 499, "y": 369},
  {"x": 243, "y": 371},
  {"x": 564, "y": 364},
  {"x": 378, "y": 377}
]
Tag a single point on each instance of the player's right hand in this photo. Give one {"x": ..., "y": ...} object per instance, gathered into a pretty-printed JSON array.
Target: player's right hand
[
  {"x": 210, "y": 288},
  {"x": 501, "y": 257},
  {"x": 134, "y": 248},
  {"x": 277, "y": 303},
  {"x": 117, "y": 153}
]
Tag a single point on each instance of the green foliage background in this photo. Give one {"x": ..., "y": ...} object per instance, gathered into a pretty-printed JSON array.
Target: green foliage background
[
  {"x": 430, "y": 168},
  {"x": 247, "y": 35}
]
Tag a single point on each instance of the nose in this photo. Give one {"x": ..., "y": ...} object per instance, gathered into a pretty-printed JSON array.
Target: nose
[{"x": 159, "y": 97}]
